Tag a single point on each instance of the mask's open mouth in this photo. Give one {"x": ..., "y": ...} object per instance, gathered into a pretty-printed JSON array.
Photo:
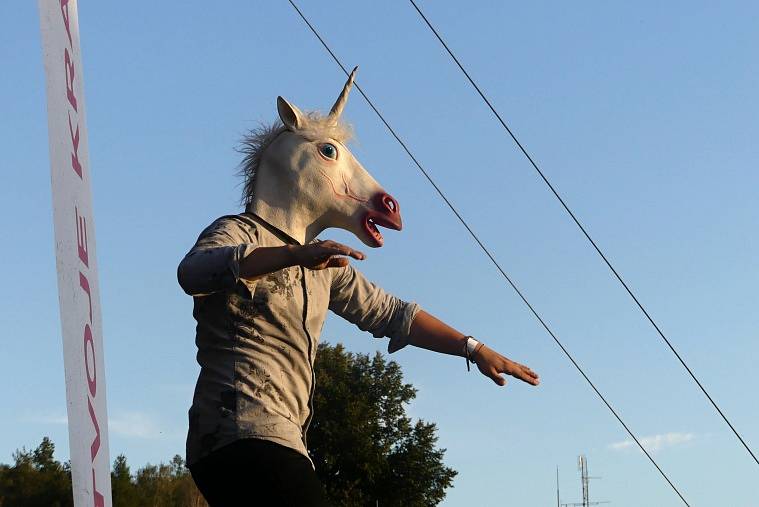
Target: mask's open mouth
[{"x": 373, "y": 219}]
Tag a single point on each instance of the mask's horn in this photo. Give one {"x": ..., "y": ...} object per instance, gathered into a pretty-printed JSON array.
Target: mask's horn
[{"x": 337, "y": 109}]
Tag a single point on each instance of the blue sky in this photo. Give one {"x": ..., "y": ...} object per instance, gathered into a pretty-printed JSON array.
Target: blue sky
[{"x": 644, "y": 115}]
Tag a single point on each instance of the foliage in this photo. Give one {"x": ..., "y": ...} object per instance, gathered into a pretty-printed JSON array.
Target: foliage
[
  {"x": 366, "y": 450},
  {"x": 38, "y": 480},
  {"x": 168, "y": 485}
]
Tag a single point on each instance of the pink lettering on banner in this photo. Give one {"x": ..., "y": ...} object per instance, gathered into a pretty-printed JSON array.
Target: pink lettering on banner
[
  {"x": 89, "y": 348},
  {"x": 80, "y": 306},
  {"x": 69, "y": 78},
  {"x": 92, "y": 379},
  {"x": 75, "y": 164},
  {"x": 95, "y": 447},
  {"x": 81, "y": 238},
  {"x": 98, "y": 500},
  {"x": 89, "y": 344},
  {"x": 85, "y": 285},
  {"x": 65, "y": 16}
]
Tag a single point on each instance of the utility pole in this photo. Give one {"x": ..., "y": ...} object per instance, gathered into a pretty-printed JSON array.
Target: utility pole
[{"x": 582, "y": 467}]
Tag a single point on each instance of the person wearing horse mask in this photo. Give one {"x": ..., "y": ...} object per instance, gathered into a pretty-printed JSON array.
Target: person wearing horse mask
[{"x": 262, "y": 284}]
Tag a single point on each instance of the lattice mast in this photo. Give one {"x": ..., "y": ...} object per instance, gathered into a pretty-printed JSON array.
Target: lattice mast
[{"x": 582, "y": 467}]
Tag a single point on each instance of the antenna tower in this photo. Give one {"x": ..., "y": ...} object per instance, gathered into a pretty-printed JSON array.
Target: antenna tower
[{"x": 582, "y": 467}]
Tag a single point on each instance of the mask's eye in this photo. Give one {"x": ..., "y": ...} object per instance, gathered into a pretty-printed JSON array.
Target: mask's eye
[{"x": 328, "y": 150}]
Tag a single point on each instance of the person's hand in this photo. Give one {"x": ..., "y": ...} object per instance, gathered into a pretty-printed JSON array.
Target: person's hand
[
  {"x": 492, "y": 364},
  {"x": 324, "y": 254}
]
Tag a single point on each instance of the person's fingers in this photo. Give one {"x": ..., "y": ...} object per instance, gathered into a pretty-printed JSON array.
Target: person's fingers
[
  {"x": 519, "y": 371},
  {"x": 530, "y": 379},
  {"x": 324, "y": 251},
  {"x": 335, "y": 248},
  {"x": 524, "y": 374},
  {"x": 527, "y": 370},
  {"x": 357, "y": 255},
  {"x": 348, "y": 251},
  {"x": 331, "y": 245},
  {"x": 496, "y": 377}
]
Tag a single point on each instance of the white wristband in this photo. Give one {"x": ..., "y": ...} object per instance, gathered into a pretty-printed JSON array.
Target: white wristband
[{"x": 471, "y": 344}]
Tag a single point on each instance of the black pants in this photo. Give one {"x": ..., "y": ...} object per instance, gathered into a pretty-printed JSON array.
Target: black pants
[{"x": 257, "y": 472}]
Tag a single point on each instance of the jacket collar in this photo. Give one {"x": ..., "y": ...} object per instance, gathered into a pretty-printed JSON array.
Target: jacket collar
[{"x": 272, "y": 226}]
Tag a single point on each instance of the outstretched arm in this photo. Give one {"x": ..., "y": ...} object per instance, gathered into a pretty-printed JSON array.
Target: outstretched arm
[
  {"x": 426, "y": 331},
  {"x": 431, "y": 333},
  {"x": 319, "y": 255},
  {"x": 228, "y": 250}
]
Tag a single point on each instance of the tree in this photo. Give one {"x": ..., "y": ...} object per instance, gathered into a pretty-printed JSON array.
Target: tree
[
  {"x": 36, "y": 479},
  {"x": 364, "y": 447},
  {"x": 162, "y": 485},
  {"x": 165, "y": 486},
  {"x": 123, "y": 490}
]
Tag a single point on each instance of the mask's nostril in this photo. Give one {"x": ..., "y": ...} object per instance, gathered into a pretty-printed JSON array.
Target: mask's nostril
[
  {"x": 387, "y": 210},
  {"x": 389, "y": 203}
]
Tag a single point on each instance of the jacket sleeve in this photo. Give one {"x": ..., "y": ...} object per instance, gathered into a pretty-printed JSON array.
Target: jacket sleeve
[
  {"x": 361, "y": 302},
  {"x": 213, "y": 264}
]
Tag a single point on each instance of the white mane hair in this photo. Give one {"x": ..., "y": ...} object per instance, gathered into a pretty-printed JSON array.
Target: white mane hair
[{"x": 253, "y": 144}]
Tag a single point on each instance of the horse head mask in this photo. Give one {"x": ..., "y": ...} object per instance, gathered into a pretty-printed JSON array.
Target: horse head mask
[{"x": 301, "y": 178}]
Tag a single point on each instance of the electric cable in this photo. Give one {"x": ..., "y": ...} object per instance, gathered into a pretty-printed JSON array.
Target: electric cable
[
  {"x": 584, "y": 230},
  {"x": 487, "y": 251}
]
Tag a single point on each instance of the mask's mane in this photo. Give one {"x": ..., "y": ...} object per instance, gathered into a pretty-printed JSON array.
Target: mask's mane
[{"x": 254, "y": 143}]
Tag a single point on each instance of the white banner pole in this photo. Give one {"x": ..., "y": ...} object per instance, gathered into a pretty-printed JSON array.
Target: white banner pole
[{"x": 78, "y": 287}]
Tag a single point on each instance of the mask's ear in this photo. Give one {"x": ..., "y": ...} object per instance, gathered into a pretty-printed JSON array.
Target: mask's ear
[{"x": 289, "y": 114}]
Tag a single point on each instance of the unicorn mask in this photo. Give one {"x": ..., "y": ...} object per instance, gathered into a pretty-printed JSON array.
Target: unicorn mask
[{"x": 302, "y": 178}]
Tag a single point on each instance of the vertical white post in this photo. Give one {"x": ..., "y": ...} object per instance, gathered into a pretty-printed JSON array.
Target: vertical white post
[{"x": 78, "y": 287}]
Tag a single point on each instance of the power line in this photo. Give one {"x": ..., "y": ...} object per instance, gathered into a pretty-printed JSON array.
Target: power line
[
  {"x": 485, "y": 250},
  {"x": 582, "y": 228}
]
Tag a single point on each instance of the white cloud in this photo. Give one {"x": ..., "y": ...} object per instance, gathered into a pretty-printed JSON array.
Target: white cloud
[
  {"x": 655, "y": 443},
  {"x": 128, "y": 424},
  {"x": 134, "y": 425},
  {"x": 45, "y": 419}
]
